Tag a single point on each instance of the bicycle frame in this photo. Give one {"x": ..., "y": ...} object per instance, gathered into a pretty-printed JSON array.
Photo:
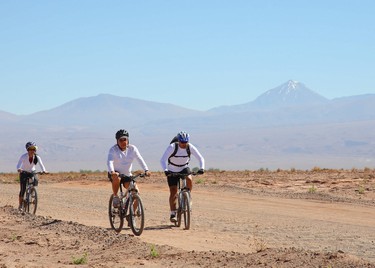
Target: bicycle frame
[
  {"x": 30, "y": 199},
  {"x": 183, "y": 200},
  {"x": 131, "y": 207}
]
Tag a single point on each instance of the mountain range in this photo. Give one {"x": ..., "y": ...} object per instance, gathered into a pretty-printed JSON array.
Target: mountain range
[{"x": 289, "y": 126}]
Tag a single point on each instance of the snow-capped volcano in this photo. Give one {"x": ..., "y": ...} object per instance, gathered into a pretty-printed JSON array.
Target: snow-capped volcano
[{"x": 289, "y": 93}]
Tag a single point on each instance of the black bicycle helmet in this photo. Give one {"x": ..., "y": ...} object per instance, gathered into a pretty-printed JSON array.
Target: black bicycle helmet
[
  {"x": 122, "y": 133},
  {"x": 31, "y": 145}
]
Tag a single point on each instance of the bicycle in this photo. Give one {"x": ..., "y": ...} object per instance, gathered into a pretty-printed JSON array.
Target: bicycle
[
  {"x": 30, "y": 199},
  {"x": 183, "y": 200},
  {"x": 130, "y": 208}
]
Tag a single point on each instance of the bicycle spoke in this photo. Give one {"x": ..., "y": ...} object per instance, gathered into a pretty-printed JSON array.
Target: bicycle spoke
[
  {"x": 136, "y": 215},
  {"x": 115, "y": 216}
]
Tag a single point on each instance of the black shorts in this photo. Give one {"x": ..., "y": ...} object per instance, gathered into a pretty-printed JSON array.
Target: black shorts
[
  {"x": 173, "y": 181},
  {"x": 123, "y": 178}
]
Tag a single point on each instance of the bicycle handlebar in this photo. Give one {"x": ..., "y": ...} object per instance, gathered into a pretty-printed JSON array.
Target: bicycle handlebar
[
  {"x": 178, "y": 174},
  {"x": 34, "y": 172},
  {"x": 133, "y": 177}
]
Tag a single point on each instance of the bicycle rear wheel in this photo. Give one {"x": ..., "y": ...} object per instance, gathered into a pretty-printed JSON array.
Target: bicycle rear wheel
[
  {"x": 33, "y": 201},
  {"x": 186, "y": 209},
  {"x": 115, "y": 215},
  {"x": 137, "y": 215}
]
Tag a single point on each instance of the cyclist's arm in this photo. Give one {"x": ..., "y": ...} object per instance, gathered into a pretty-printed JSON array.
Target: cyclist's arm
[
  {"x": 110, "y": 160},
  {"x": 194, "y": 151},
  {"x": 41, "y": 164},
  {"x": 140, "y": 159},
  {"x": 164, "y": 158},
  {"x": 20, "y": 163}
]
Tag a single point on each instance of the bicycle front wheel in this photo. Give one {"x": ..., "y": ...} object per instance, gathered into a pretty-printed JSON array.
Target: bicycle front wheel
[
  {"x": 186, "y": 209},
  {"x": 179, "y": 210},
  {"x": 137, "y": 215},
  {"x": 33, "y": 201},
  {"x": 115, "y": 215}
]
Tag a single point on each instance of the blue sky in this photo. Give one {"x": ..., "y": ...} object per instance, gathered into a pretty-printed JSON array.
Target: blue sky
[{"x": 196, "y": 54}]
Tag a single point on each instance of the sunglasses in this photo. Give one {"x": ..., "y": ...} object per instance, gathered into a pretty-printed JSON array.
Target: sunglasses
[
  {"x": 123, "y": 139},
  {"x": 31, "y": 149}
]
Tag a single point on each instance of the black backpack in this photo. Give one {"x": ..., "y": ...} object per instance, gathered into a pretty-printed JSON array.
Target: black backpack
[{"x": 175, "y": 141}]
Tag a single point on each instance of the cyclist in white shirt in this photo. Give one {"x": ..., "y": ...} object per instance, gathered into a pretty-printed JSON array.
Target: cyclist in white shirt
[
  {"x": 120, "y": 161},
  {"x": 26, "y": 164},
  {"x": 176, "y": 159}
]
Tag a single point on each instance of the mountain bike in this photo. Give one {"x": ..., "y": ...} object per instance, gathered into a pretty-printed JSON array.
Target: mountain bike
[
  {"x": 183, "y": 200},
  {"x": 30, "y": 199},
  {"x": 130, "y": 208}
]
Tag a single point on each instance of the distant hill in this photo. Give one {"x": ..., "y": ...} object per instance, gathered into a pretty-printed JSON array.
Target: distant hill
[{"x": 289, "y": 126}]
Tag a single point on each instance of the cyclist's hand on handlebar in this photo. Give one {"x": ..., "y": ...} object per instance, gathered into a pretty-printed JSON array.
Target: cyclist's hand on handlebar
[
  {"x": 201, "y": 171},
  {"x": 167, "y": 173},
  {"x": 114, "y": 175},
  {"x": 147, "y": 173}
]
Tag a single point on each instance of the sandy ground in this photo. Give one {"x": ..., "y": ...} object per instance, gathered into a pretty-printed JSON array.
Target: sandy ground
[{"x": 317, "y": 218}]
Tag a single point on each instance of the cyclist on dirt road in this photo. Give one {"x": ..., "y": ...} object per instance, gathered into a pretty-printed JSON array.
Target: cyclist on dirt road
[
  {"x": 176, "y": 158},
  {"x": 27, "y": 162},
  {"x": 119, "y": 161}
]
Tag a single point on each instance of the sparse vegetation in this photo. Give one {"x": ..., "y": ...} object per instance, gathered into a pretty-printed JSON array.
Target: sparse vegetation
[
  {"x": 81, "y": 260},
  {"x": 312, "y": 189},
  {"x": 199, "y": 181},
  {"x": 214, "y": 170},
  {"x": 259, "y": 243},
  {"x": 361, "y": 189},
  {"x": 154, "y": 253},
  {"x": 15, "y": 237},
  {"x": 316, "y": 169},
  {"x": 89, "y": 171}
]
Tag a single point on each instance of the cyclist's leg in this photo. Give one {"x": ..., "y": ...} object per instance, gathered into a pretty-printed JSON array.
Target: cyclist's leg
[
  {"x": 115, "y": 185},
  {"x": 22, "y": 190},
  {"x": 115, "y": 181},
  {"x": 172, "y": 197},
  {"x": 189, "y": 179},
  {"x": 172, "y": 183},
  {"x": 189, "y": 182}
]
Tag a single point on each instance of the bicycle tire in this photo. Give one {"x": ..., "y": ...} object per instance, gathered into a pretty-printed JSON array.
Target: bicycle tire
[
  {"x": 186, "y": 209},
  {"x": 137, "y": 215},
  {"x": 116, "y": 218},
  {"x": 179, "y": 210},
  {"x": 32, "y": 201}
]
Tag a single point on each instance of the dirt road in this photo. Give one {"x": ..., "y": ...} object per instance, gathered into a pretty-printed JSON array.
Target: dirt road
[{"x": 223, "y": 219}]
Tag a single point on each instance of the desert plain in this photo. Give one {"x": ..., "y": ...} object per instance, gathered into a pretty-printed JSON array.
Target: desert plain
[{"x": 282, "y": 218}]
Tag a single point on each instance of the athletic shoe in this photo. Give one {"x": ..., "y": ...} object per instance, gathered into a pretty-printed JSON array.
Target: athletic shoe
[{"x": 173, "y": 217}]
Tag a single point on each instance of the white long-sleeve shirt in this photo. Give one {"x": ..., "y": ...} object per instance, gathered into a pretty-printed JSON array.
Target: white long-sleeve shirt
[
  {"x": 121, "y": 161},
  {"x": 181, "y": 158},
  {"x": 24, "y": 163}
]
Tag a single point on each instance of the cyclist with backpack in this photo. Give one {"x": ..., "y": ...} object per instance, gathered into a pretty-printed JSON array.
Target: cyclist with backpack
[
  {"x": 176, "y": 158},
  {"x": 119, "y": 161},
  {"x": 26, "y": 165}
]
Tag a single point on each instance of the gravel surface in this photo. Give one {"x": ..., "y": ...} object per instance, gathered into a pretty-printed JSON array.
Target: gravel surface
[{"x": 240, "y": 219}]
